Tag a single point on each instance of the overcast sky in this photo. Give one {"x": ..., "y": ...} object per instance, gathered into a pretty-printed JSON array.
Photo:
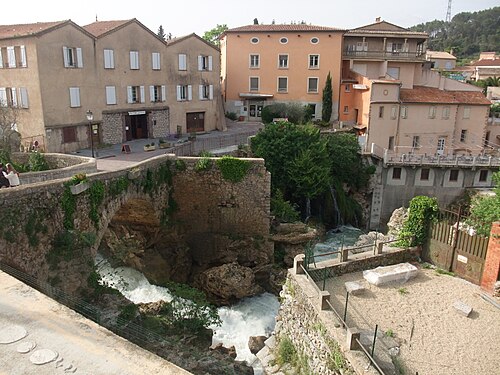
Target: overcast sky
[{"x": 181, "y": 17}]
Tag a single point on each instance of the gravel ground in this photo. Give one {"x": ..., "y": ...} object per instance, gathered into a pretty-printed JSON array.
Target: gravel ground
[{"x": 418, "y": 317}]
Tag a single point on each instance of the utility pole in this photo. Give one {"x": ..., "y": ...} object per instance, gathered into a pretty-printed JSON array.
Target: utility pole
[{"x": 448, "y": 12}]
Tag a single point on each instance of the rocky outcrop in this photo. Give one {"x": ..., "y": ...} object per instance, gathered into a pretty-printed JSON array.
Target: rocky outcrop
[
  {"x": 292, "y": 239},
  {"x": 396, "y": 222},
  {"x": 228, "y": 283},
  {"x": 256, "y": 343}
]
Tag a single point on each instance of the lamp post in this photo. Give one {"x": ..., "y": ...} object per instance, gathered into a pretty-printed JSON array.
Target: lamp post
[{"x": 90, "y": 117}]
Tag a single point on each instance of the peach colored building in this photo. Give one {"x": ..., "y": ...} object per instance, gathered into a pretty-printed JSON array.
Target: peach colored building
[
  {"x": 264, "y": 64},
  {"x": 398, "y": 104},
  {"x": 136, "y": 84}
]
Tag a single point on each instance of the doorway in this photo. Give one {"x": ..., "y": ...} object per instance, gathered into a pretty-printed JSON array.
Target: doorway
[
  {"x": 440, "y": 146},
  {"x": 255, "y": 113},
  {"x": 136, "y": 126},
  {"x": 195, "y": 122}
]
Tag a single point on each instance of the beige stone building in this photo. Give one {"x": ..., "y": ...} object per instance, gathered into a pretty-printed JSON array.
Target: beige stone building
[
  {"x": 264, "y": 64},
  {"x": 132, "y": 81},
  {"x": 398, "y": 104},
  {"x": 441, "y": 60}
]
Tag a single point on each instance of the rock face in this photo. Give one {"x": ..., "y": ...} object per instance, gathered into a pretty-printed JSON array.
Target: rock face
[
  {"x": 256, "y": 343},
  {"x": 228, "y": 283},
  {"x": 292, "y": 239},
  {"x": 395, "y": 224}
]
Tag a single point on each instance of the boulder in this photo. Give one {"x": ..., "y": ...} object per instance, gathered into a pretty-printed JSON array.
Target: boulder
[
  {"x": 292, "y": 239},
  {"x": 395, "y": 224},
  {"x": 256, "y": 343},
  {"x": 229, "y": 282}
]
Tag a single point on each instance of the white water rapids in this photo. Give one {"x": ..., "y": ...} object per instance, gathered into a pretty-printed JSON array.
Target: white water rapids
[{"x": 250, "y": 317}]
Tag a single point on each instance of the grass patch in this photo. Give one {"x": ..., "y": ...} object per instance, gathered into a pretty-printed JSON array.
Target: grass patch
[
  {"x": 440, "y": 271},
  {"x": 389, "y": 333},
  {"x": 403, "y": 291}
]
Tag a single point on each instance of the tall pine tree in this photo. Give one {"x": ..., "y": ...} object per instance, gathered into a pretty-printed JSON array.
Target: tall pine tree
[
  {"x": 326, "y": 111},
  {"x": 161, "y": 33}
]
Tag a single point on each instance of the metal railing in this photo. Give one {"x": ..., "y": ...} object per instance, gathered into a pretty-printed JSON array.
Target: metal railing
[
  {"x": 441, "y": 160},
  {"x": 380, "y": 54}
]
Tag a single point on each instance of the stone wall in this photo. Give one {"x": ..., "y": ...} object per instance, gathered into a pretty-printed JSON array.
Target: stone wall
[
  {"x": 223, "y": 221},
  {"x": 112, "y": 129},
  {"x": 160, "y": 121},
  {"x": 62, "y": 166}
]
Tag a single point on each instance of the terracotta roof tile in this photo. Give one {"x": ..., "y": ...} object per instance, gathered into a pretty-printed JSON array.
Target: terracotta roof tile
[
  {"x": 102, "y": 27},
  {"x": 16, "y": 31},
  {"x": 421, "y": 94},
  {"x": 273, "y": 28},
  {"x": 486, "y": 62}
]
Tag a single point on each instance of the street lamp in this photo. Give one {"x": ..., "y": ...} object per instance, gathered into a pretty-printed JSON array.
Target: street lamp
[{"x": 90, "y": 117}]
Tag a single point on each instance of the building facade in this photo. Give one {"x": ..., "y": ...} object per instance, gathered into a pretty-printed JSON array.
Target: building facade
[
  {"x": 51, "y": 74},
  {"x": 265, "y": 64}
]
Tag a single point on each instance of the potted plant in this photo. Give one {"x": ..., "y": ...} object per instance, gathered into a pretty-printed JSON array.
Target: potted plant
[
  {"x": 79, "y": 183},
  {"x": 163, "y": 143},
  {"x": 192, "y": 136},
  {"x": 150, "y": 147}
]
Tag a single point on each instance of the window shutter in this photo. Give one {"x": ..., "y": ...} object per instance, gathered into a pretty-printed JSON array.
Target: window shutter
[
  {"x": 163, "y": 93},
  {"x": 3, "y": 97},
  {"x": 182, "y": 62},
  {"x": 179, "y": 93},
  {"x": 110, "y": 95},
  {"x": 143, "y": 96},
  {"x": 201, "y": 92},
  {"x": 74, "y": 96},
  {"x": 211, "y": 92},
  {"x": 389, "y": 47},
  {"x": 14, "y": 96},
  {"x": 1, "y": 58},
  {"x": 65, "y": 57},
  {"x": 24, "y": 62},
  {"x": 23, "y": 94},
  {"x": 200, "y": 62},
  {"x": 155, "y": 58},
  {"x": 210, "y": 59},
  {"x": 79, "y": 58},
  {"x": 152, "y": 93},
  {"x": 190, "y": 92},
  {"x": 11, "y": 55},
  {"x": 109, "y": 62},
  {"x": 129, "y": 95}
]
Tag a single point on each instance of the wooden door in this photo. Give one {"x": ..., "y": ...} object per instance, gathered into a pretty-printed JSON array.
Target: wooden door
[{"x": 195, "y": 122}]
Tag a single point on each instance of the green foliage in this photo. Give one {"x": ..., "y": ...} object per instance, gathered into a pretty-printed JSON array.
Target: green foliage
[
  {"x": 326, "y": 111},
  {"x": 389, "y": 333},
  {"x": 127, "y": 313},
  {"x": 37, "y": 162},
  {"x": 286, "y": 351},
  {"x": 96, "y": 195},
  {"x": 485, "y": 210},
  {"x": 34, "y": 225},
  {"x": 68, "y": 205},
  {"x": 440, "y": 271},
  {"x": 118, "y": 186},
  {"x": 214, "y": 34},
  {"x": 233, "y": 169},
  {"x": 180, "y": 165},
  {"x": 96, "y": 287},
  {"x": 294, "y": 112},
  {"x": 232, "y": 116},
  {"x": 161, "y": 33},
  {"x": 204, "y": 164},
  {"x": 282, "y": 209},
  {"x": 467, "y": 34},
  {"x": 403, "y": 291},
  {"x": 422, "y": 211},
  {"x": 350, "y": 210},
  {"x": 78, "y": 178},
  {"x": 67, "y": 244}
]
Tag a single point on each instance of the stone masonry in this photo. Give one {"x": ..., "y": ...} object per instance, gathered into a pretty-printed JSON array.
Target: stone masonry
[
  {"x": 160, "y": 122},
  {"x": 112, "y": 128}
]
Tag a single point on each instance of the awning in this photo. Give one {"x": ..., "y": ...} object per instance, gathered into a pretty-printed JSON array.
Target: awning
[{"x": 251, "y": 95}]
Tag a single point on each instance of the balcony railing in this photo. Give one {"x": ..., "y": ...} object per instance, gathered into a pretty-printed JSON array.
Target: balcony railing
[
  {"x": 441, "y": 160},
  {"x": 385, "y": 55}
]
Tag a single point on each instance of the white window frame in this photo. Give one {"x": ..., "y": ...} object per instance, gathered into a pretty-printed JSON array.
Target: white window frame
[
  {"x": 156, "y": 61},
  {"x": 157, "y": 93},
  {"x": 254, "y": 57},
  {"x": 206, "y": 92},
  {"x": 72, "y": 57},
  {"x": 309, "y": 85},
  {"x": 278, "y": 85},
  {"x": 182, "y": 61},
  {"x": 134, "y": 60},
  {"x": 184, "y": 93},
  {"x": 109, "y": 58},
  {"x": 280, "y": 65},
  {"x": 11, "y": 57},
  {"x": 404, "y": 111},
  {"x": 3, "y": 97},
  {"x": 12, "y": 95},
  {"x": 313, "y": 66},
  {"x": 24, "y": 61},
  {"x": 250, "y": 83},
  {"x": 23, "y": 98},
  {"x": 137, "y": 92},
  {"x": 394, "y": 112},
  {"x": 205, "y": 63},
  {"x": 110, "y": 95},
  {"x": 1, "y": 59},
  {"x": 74, "y": 97}
]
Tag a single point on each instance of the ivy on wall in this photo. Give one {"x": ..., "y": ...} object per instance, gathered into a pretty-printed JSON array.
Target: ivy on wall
[
  {"x": 233, "y": 169},
  {"x": 422, "y": 211}
]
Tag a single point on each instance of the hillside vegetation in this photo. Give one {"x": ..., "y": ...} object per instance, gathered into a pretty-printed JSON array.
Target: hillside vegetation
[{"x": 468, "y": 33}]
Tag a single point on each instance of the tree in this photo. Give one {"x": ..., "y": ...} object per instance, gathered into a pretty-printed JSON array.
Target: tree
[
  {"x": 9, "y": 137},
  {"x": 161, "y": 33},
  {"x": 255, "y": 21},
  {"x": 326, "y": 112},
  {"x": 214, "y": 34},
  {"x": 485, "y": 210}
]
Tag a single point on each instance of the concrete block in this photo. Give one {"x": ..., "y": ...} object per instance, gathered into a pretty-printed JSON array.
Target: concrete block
[
  {"x": 354, "y": 288},
  {"x": 462, "y": 308},
  {"x": 352, "y": 335},
  {"x": 270, "y": 342}
]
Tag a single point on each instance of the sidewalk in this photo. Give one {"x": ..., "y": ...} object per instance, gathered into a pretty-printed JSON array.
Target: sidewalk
[{"x": 112, "y": 158}]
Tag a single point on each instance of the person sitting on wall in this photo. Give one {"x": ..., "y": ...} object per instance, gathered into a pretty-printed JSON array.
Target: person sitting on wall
[
  {"x": 4, "y": 182},
  {"x": 12, "y": 175}
]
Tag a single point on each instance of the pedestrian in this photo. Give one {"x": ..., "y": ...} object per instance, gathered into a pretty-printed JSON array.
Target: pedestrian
[
  {"x": 12, "y": 175},
  {"x": 4, "y": 182}
]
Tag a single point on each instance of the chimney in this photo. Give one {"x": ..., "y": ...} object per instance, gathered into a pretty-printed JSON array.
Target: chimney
[{"x": 378, "y": 19}]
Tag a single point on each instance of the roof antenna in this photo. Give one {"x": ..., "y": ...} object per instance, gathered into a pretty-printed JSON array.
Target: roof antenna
[{"x": 96, "y": 17}]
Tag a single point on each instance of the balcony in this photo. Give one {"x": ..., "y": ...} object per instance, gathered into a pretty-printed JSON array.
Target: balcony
[{"x": 384, "y": 55}]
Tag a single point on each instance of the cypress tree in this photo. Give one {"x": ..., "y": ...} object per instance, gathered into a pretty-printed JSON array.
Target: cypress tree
[{"x": 326, "y": 111}]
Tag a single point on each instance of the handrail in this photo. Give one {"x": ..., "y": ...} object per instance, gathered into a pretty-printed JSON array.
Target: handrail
[
  {"x": 372, "y": 360},
  {"x": 344, "y": 324}
]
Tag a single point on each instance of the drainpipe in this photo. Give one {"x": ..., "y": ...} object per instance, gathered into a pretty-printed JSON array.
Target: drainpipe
[{"x": 398, "y": 116}]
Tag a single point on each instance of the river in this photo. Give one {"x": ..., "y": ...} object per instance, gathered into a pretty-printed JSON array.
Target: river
[{"x": 253, "y": 316}]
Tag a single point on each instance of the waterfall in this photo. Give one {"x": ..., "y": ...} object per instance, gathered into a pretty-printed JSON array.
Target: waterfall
[
  {"x": 336, "y": 207},
  {"x": 308, "y": 209}
]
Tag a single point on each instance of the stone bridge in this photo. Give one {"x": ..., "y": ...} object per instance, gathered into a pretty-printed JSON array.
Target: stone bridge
[{"x": 193, "y": 216}]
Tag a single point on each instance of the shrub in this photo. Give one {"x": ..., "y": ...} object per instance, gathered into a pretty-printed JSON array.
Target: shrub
[
  {"x": 295, "y": 113},
  {"x": 233, "y": 169},
  {"x": 422, "y": 211},
  {"x": 232, "y": 116},
  {"x": 205, "y": 163},
  {"x": 37, "y": 162},
  {"x": 283, "y": 210},
  {"x": 286, "y": 351}
]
